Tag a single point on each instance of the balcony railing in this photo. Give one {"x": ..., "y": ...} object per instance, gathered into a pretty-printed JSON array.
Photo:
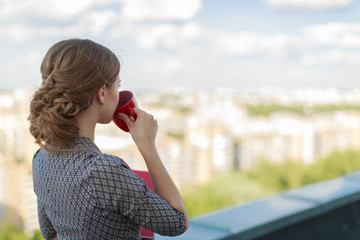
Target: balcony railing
[{"x": 325, "y": 210}]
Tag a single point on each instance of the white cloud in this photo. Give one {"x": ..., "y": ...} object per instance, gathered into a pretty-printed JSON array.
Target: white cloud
[
  {"x": 16, "y": 33},
  {"x": 167, "y": 35},
  {"x": 9, "y": 9},
  {"x": 168, "y": 67},
  {"x": 157, "y": 35},
  {"x": 97, "y": 21},
  {"x": 93, "y": 23},
  {"x": 251, "y": 43},
  {"x": 334, "y": 34},
  {"x": 72, "y": 7},
  {"x": 23, "y": 34},
  {"x": 308, "y": 4},
  {"x": 22, "y": 70},
  {"x": 332, "y": 43},
  {"x": 18, "y": 10},
  {"x": 144, "y": 10},
  {"x": 41, "y": 10},
  {"x": 335, "y": 56}
]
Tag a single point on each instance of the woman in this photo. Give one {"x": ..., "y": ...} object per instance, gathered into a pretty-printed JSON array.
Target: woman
[{"x": 81, "y": 192}]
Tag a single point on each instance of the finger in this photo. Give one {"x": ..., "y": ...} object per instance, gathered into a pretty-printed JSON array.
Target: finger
[
  {"x": 138, "y": 110},
  {"x": 125, "y": 118}
]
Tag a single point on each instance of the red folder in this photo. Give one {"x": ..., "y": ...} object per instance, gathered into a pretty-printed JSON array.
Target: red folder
[{"x": 145, "y": 234}]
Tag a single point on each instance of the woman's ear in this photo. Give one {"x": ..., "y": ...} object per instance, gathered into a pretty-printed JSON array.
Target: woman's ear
[{"x": 101, "y": 95}]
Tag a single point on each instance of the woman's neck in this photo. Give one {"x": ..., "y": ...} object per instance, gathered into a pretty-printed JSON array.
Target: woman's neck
[{"x": 86, "y": 122}]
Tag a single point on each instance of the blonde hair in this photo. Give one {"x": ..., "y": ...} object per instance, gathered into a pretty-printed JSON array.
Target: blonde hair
[{"x": 72, "y": 72}]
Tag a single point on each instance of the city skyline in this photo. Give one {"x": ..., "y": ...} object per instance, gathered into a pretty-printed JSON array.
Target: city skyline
[
  {"x": 192, "y": 43},
  {"x": 201, "y": 133}
]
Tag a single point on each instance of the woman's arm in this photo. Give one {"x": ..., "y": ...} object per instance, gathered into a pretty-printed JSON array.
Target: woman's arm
[
  {"x": 46, "y": 227},
  {"x": 143, "y": 131}
]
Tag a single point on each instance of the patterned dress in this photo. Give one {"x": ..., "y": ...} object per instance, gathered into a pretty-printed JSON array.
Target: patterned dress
[{"x": 84, "y": 194}]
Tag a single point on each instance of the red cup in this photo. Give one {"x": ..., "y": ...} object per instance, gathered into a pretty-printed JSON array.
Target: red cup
[{"x": 127, "y": 103}]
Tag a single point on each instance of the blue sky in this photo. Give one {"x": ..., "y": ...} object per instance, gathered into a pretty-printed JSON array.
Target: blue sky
[
  {"x": 256, "y": 15},
  {"x": 192, "y": 43}
]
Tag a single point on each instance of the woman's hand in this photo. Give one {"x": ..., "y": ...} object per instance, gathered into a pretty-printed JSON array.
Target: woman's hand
[{"x": 143, "y": 130}]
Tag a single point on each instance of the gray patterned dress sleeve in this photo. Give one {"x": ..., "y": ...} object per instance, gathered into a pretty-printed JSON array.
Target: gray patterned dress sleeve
[
  {"x": 116, "y": 187},
  {"x": 47, "y": 229}
]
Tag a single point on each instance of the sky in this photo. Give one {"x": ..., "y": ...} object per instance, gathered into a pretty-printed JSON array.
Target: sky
[{"x": 201, "y": 44}]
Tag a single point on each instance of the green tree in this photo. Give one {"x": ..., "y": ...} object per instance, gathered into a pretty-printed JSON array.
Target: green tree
[
  {"x": 267, "y": 109},
  {"x": 294, "y": 174},
  {"x": 10, "y": 232},
  {"x": 225, "y": 190}
]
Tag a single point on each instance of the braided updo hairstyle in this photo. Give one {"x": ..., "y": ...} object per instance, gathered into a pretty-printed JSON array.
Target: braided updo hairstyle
[{"x": 72, "y": 72}]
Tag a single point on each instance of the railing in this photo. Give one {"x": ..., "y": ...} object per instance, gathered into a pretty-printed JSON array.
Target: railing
[{"x": 326, "y": 210}]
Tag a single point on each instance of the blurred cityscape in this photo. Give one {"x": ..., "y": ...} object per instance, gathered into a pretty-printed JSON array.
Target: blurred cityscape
[{"x": 201, "y": 132}]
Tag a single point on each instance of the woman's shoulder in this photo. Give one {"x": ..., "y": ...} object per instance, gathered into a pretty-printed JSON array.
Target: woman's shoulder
[
  {"x": 106, "y": 163},
  {"x": 110, "y": 160}
]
